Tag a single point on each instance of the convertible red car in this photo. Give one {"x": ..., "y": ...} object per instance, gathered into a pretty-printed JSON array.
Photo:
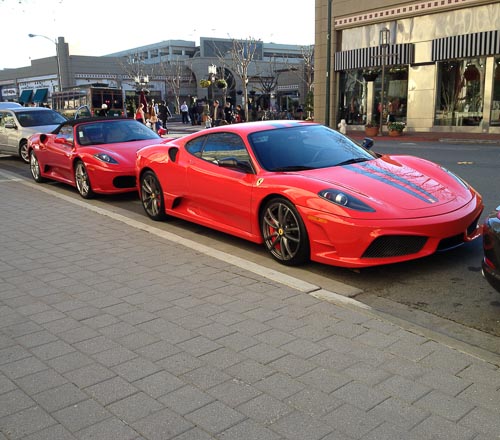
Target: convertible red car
[
  {"x": 96, "y": 155},
  {"x": 308, "y": 193}
]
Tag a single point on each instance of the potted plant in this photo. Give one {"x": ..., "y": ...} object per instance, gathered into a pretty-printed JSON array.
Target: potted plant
[
  {"x": 371, "y": 129},
  {"x": 205, "y": 83},
  {"x": 396, "y": 128}
]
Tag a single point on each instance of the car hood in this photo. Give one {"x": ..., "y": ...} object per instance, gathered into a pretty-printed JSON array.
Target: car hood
[
  {"x": 124, "y": 152},
  {"x": 402, "y": 182}
]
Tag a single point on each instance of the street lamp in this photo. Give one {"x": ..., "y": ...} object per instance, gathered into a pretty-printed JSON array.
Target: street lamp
[
  {"x": 59, "y": 83},
  {"x": 212, "y": 72},
  {"x": 384, "y": 37},
  {"x": 141, "y": 80}
]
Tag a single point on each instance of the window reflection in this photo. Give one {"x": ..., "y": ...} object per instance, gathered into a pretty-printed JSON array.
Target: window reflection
[
  {"x": 495, "y": 102},
  {"x": 460, "y": 92},
  {"x": 357, "y": 100}
]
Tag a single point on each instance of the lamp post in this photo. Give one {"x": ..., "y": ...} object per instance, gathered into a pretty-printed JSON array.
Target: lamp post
[
  {"x": 59, "y": 82},
  {"x": 383, "y": 42},
  {"x": 212, "y": 72}
]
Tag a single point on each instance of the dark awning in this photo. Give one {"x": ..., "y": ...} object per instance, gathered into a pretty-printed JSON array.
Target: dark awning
[
  {"x": 25, "y": 97},
  {"x": 40, "y": 95},
  {"x": 369, "y": 57}
]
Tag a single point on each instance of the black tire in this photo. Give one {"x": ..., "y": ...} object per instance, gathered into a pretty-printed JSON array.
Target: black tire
[
  {"x": 152, "y": 196},
  {"x": 284, "y": 232},
  {"x": 35, "y": 168},
  {"x": 23, "y": 151},
  {"x": 82, "y": 181}
]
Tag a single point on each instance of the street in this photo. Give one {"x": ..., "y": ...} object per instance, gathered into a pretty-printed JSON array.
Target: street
[{"x": 445, "y": 292}]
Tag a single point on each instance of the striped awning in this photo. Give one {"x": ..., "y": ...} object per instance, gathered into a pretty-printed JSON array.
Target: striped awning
[
  {"x": 465, "y": 46},
  {"x": 369, "y": 57}
]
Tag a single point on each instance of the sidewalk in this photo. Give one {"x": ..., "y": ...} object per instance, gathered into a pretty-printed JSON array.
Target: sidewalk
[
  {"x": 176, "y": 129},
  {"x": 113, "y": 329}
]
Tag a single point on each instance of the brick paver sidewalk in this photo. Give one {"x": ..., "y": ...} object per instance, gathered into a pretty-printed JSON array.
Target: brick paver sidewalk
[{"x": 112, "y": 332}]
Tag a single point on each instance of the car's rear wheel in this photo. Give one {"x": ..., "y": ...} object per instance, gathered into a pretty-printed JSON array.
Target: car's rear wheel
[
  {"x": 284, "y": 232},
  {"x": 23, "y": 151},
  {"x": 152, "y": 196},
  {"x": 35, "y": 168},
  {"x": 82, "y": 181}
]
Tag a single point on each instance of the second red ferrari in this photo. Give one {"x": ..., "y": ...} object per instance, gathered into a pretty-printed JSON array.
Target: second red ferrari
[{"x": 95, "y": 155}]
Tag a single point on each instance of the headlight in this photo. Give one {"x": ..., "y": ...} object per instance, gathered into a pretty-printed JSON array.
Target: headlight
[
  {"x": 105, "y": 158},
  {"x": 342, "y": 199}
]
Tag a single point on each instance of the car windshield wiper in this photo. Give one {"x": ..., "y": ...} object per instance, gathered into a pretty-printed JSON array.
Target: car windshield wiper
[
  {"x": 293, "y": 168},
  {"x": 353, "y": 160}
]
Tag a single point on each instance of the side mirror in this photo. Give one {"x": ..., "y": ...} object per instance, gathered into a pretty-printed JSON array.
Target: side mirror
[{"x": 367, "y": 143}]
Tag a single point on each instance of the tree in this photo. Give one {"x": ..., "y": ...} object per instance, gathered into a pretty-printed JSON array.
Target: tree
[
  {"x": 268, "y": 76},
  {"x": 241, "y": 55},
  {"x": 175, "y": 74},
  {"x": 306, "y": 75}
]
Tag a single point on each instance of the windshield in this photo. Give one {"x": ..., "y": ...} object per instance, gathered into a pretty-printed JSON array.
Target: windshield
[
  {"x": 305, "y": 147},
  {"x": 113, "y": 131},
  {"x": 36, "y": 118}
]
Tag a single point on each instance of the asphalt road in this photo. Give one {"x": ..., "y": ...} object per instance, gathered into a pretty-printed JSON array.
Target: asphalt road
[{"x": 444, "y": 292}]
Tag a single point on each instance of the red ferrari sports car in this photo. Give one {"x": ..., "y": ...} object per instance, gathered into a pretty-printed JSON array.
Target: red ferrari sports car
[
  {"x": 308, "y": 193},
  {"x": 96, "y": 155}
]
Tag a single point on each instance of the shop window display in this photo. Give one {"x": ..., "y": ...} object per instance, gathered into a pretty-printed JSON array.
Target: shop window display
[
  {"x": 495, "y": 102},
  {"x": 352, "y": 92},
  {"x": 460, "y": 93}
]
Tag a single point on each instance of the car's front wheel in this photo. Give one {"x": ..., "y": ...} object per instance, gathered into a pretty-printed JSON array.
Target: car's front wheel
[
  {"x": 23, "y": 151},
  {"x": 152, "y": 196},
  {"x": 82, "y": 181},
  {"x": 35, "y": 168},
  {"x": 284, "y": 232}
]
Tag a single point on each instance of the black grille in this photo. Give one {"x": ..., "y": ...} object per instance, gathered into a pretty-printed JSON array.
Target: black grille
[
  {"x": 124, "y": 182},
  {"x": 472, "y": 227},
  {"x": 395, "y": 246},
  {"x": 451, "y": 242}
]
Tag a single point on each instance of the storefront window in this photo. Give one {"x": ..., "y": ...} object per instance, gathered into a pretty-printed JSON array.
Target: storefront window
[
  {"x": 395, "y": 95},
  {"x": 352, "y": 94},
  {"x": 495, "y": 102},
  {"x": 460, "y": 92}
]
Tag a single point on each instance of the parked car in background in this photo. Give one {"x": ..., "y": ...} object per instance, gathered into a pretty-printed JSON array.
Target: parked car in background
[
  {"x": 95, "y": 155},
  {"x": 18, "y": 123},
  {"x": 491, "y": 248},
  {"x": 9, "y": 104},
  {"x": 308, "y": 192}
]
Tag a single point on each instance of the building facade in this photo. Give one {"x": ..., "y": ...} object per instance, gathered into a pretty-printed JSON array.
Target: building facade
[
  {"x": 170, "y": 70},
  {"x": 434, "y": 65}
]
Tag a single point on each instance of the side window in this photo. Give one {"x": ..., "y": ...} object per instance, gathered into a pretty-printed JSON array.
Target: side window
[
  {"x": 195, "y": 147},
  {"x": 66, "y": 132},
  {"x": 224, "y": 145},
  {"x": 8, "y": 118}
]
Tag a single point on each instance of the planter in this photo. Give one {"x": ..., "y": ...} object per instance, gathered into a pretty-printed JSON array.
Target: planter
[
  {"x": 395, "y": 133},
  {"x": 371, "y": 131}
]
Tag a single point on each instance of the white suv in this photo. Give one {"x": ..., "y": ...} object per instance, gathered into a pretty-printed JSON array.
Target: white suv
[{"x": 17, "y": 124}]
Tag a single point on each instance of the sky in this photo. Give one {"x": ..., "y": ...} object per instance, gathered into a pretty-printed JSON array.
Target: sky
[{"x": 102, "y": 27}]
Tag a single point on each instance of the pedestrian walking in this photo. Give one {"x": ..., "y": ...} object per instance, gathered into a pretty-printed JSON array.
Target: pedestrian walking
[
  {"x": 139, "y": 114},
  {"x": 185, "y": 113}
]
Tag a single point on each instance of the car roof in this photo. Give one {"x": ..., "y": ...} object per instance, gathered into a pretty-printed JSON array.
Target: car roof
[
  {"x": 260, "y": 125},
  {"x": 9, "y": 105},
  {"x": 29, "y": 109}
]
